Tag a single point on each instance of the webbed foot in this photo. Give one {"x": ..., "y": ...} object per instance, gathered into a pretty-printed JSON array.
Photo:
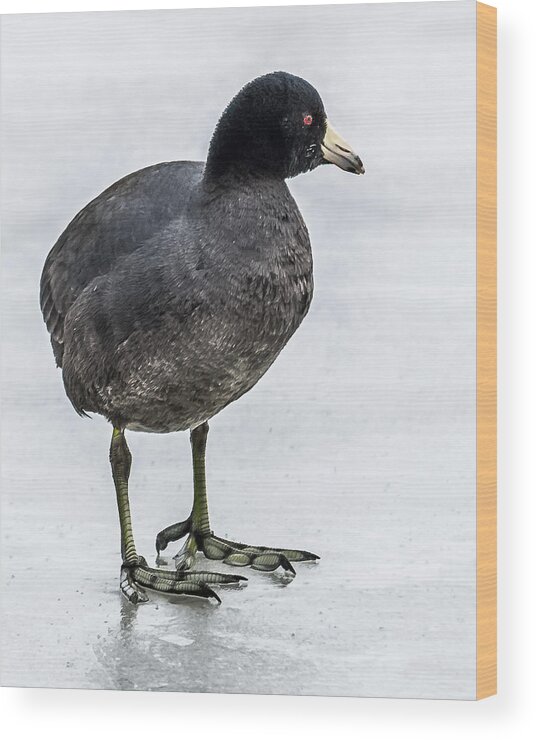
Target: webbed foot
[
  {"x": 137, "y": 576},
  {"x": 230, "y": 552}
]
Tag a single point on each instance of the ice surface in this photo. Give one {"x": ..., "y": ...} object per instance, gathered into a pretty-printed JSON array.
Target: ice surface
[{"x": 359, "y": 442}]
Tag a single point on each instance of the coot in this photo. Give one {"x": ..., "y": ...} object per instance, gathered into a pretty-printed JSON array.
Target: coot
[{"x": 170, "y": 295}]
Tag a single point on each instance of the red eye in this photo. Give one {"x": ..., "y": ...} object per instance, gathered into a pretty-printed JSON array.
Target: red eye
[{"x": 308, "y": 120}]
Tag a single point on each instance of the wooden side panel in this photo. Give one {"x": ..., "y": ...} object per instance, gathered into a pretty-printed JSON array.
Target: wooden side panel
[{"x": 486, "y": 350}]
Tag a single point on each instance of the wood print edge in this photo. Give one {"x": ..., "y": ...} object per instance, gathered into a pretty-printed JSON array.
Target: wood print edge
[{"x": 486, "y": 350}]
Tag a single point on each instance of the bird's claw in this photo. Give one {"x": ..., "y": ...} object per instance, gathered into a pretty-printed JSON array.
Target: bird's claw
[
  {"x": 259, "y": 558},
  {"x": 236, "y": 553},
  {"x": 137, "y": 576}
]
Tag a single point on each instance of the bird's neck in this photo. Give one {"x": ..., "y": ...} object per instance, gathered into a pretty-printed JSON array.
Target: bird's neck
[
  {"x": 238, "y": 176},
  {"x": 237, "y": 152},
  {"x": 261, "y": 222},
  {"x": 243, "y": 190}
]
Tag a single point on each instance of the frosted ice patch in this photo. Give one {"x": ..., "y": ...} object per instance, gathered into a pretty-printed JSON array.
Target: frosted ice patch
[{"x": 177, "y": 640}]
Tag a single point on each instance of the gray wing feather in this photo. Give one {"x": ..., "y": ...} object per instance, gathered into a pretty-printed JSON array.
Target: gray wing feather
[{"x": 109, "y": 228}]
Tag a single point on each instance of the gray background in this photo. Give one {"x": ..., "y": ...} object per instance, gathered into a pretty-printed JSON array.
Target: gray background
[{"x": 358, "y": 443}]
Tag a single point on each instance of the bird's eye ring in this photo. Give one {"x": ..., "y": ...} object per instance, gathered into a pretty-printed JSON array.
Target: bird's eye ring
[{"x": 307, "y": 120}]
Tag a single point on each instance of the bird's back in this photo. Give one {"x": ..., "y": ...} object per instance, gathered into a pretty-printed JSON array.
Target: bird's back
[{"x": 108, "y": 229}]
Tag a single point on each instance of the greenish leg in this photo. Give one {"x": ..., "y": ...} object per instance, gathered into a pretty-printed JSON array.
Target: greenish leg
[
  {"x": 200, "y": 518},
  {"x": 121, "y": 461},
  {"x": 135, "y": 573},
  {"x": 202, "y": 538}
]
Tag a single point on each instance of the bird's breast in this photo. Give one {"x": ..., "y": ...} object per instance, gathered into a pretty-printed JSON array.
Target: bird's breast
[{"x": 263, "y": 308}]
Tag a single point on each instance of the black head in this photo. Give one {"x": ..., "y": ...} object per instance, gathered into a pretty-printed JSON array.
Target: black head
[{"x": 276, "y": 126}]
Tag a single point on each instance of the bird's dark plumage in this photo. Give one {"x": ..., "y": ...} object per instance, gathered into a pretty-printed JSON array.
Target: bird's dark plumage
[{"x": 170, "y": 294}]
